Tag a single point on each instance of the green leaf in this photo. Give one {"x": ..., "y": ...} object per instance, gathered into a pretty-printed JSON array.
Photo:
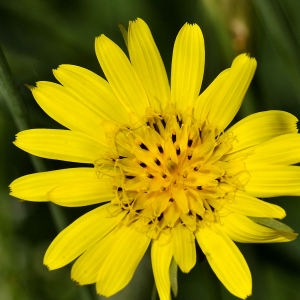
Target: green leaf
[{"x": 276, "y": 225}]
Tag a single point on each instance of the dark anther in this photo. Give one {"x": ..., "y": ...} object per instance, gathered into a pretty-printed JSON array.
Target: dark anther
[
  {"x": 173, "y": 137},
  {"x": 190, "y": 213},
  {"x": 150, "y": 176},
  {"x": 171, "y": 200},
  {"x": 190, "y": 142},
  {"x": 164, "y": 176},
  {"x": 179, "y": 121},
  {"x": 178, "y": 151},
  {"x": 212, "y": 208},
  {"x": 200, "y": 133},
  {"x": 199, "y": 187},
  {"x": 138, "y": 210},
  {"x": 157, "y": 161},
  {"x": 148, "y": 123},
  {"x": 121, "y": 157},
  {"x": 143, "y": 165},
  {"x": 163, "y": 122},
  {"x": 129, "y": 176},
  {"x": 196, "y": 169},
  {"x": 189, "y": 157},
  {"x": 120, "y": 189},
  {"x": 143, "y": 146},
  {"x": 150, "y": 222},
  {"x": 160, "y": 148},
  {"x": 218, "y": 179},
  {"x": 199, "y": 217},
  {"x": 156, "y": 128},
  {"x": 160, "y": 217}
]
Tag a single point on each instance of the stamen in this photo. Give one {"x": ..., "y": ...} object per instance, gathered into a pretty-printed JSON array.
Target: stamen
[
  {"x": 190, "y": 142},
  {"x": 179, "y": 121},
  {"x": 160, "y": 149},
  {"x": 156, "y": 128},
  {"x": 159, "y": 218},
  {"x": 144, "y": 147},
  {"x": 143, "y": 165},
  {"x": 157, "y": 161},
  {"x": 173, "y": 137},
  {"x": 129, "y": 176}
]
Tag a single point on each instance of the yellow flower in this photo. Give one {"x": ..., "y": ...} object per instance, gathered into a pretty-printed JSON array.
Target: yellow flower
[{"x": 160, "y": 156}]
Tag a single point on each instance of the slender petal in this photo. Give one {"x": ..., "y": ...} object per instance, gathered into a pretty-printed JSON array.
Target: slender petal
[
  {"x": 60, "y": 144},
  {"x": 67, "y": 109},
  {"x": 80, "y": 235},
  {"x": 92, "y": 90},
  {"x": 242, "y": 229},
  {"x": 36, "y": 187},
  {"x": 161, "y": 256},
  {"x": 147, "y": 62},
  {"x": 86, "y": 192},
  {"x": 220, "y": 102},
  {"x": 121, "y": 76},
  {"x": 251, "y": 206},
  {"x": 184, "y": 248},
  {"x": 85, "y": 269},
  {"x": 260, "y": 127},
  {"x": 287, "y": 151},
  {"x": 187, "y": 66},
  {"x": 119, "y": 266},
  {"x": 273, "y": 180},
  {"x": 226, "y": 260}
]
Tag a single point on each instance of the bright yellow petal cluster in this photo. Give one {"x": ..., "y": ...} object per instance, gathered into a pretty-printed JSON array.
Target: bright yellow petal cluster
[{"x": 161, "y": 156}]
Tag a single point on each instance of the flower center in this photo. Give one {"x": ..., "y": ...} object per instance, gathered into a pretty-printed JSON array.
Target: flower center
[{"x": 174, "y": 170}]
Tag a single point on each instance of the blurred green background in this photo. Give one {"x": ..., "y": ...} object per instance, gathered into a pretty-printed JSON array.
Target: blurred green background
[{"x": 36, "y": 36}]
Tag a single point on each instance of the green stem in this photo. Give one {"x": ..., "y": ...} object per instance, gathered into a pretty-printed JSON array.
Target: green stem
[{"x": 154, "y": 292}]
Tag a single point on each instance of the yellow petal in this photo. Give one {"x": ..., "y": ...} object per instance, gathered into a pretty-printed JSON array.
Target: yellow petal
[
  {"x": 242, "y": 229},
  {"x": 85, "y": 270},
  {"x": 60, "y": 144},
  {"x": 273, "y": 180},
  {"x": 122, "y": 260},
  {"x": 67, "y": 109},
  {"x": 148, "y": 64},
  {"x": 260, "y": 127},
  {"x": 36, "y": 187},
  {"x": 121, "y": 76},
  {"x": 184, "y": 248},
  {"x": 251, "y": 206},
  {"x": 220, "y": 102},
  {"x": 282, "y": 149},
  {"x": 187, "y": 66},
  {"x": 80, "y": 235},
  {"x": 93, "y": 90},
  {"x": 85, "y": 192},
  {"x": 161, "y": 255},
  {"x": 226, "y": 260}
]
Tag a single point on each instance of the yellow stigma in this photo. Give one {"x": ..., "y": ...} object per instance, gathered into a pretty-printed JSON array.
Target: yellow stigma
[{"x": 172, "y": 170}]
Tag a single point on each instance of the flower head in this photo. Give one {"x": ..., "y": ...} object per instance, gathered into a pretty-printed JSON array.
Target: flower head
[{"x": 160, "y": 156}]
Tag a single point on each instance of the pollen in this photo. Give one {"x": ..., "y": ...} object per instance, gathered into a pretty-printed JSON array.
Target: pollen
[{"x": 173, "y": 170}]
